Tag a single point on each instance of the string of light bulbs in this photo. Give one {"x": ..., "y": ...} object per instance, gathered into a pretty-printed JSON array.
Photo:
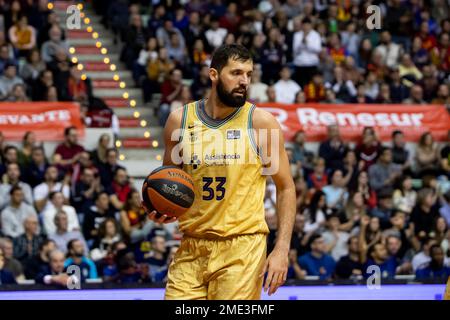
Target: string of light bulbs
[{"x": 106, "y": 60}]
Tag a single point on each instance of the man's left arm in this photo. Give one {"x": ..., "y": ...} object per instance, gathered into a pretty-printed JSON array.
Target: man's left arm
[{"x": 273, "y": 154}]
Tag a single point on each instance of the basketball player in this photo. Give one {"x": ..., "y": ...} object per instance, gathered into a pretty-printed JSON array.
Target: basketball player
[{"x": 223, "y": 251}]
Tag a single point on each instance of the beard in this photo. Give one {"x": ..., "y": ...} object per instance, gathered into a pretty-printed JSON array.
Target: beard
[{"x": 228, "y": 99}]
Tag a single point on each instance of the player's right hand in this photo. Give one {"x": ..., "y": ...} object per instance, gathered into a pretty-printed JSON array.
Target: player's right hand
[{"x": 157, "y": 217}]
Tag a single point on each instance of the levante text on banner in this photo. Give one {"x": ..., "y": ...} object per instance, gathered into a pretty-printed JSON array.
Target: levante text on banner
[{"x": 46, "y": 119}]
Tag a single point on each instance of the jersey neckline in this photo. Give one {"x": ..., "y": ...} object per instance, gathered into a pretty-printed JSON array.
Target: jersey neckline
[{"x": 210, "y": 122}]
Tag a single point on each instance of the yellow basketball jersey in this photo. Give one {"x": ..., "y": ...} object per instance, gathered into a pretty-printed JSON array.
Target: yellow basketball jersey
[{"x": 222, "y": 158}]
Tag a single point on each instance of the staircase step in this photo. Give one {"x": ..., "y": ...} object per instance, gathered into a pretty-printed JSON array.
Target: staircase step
[
  {"x": 87, "y": 49},
  {"x": 156, "y": 132},
  {"x": 105, "y": 84},
  {"x": 96, "y": 66},
  {"x": 141, "y": 154},
  {"x": 124, "y": 75},
  {"x": 117, "y": 102},
  {"x": 106, "y": 41},
  {"x": 129, "y": 122},
  {"x": 78, "y": 34},
  {"x": 96, "y": 27},
  {"x": 136, "y": 143},
  {"x": 62, "y": 5},
  {"x": 84, "y": 57},
  {"x": 133, "y": 93},
  {"x": 128, "y": 112}
]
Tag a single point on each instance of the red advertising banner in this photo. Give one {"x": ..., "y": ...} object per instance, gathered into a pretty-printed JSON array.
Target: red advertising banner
[
  {"x": 413, "y": 120},
  {"x": 46, "y": 119}
]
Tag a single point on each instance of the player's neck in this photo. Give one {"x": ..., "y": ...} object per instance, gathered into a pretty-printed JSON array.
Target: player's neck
[{"x": 215, "y": 109}]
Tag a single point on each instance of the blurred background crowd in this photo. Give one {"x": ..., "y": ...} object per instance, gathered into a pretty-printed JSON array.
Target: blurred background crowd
[{"x": 358, "y": 204}]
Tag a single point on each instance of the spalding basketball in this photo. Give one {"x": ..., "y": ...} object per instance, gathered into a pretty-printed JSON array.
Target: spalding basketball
[{"x": 168, "y": 190}]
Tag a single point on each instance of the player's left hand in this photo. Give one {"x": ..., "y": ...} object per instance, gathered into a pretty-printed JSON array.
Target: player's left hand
[{"x": 276, "y": 267}]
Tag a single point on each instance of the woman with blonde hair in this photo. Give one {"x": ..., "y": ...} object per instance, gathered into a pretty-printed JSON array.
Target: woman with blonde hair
[{"x": 98, "y": 155}]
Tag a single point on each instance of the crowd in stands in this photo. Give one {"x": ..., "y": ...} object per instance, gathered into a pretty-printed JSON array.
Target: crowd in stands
[
  {"x": 304, "y": 50},
  {"x": 368, "y": 204},
  {"x": 36, "y": 64},
  {"x": 77, "y": 207},
  {"x": 357, "y": 205}
]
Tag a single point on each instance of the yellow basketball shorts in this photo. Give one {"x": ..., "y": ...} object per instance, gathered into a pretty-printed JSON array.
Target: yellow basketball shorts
[{"x": 225, "y": 269}]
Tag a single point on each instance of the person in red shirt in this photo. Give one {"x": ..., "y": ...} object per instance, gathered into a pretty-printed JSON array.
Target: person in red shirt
[
  {"x": 170, "y": 90},
  {"x": 369, "y": 148},
  {"x": 318, "y": 178},
  {"x": 336, "y": 51},
  {"x": 68, "y": 153},
  {"x": 315, "y": 90},
  {"x": 428, "y": 39},
  {"x": 76, "y": 86},
  {"x": 120, "y": 188},
  {"x": 440, "y": 55},
  {"x": 231, "y": 19}
]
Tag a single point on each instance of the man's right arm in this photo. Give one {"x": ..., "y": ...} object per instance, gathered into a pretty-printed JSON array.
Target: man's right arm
[{"x": 173, "y": 125}]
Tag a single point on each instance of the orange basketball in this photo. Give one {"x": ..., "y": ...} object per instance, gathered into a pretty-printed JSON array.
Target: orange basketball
[{"x": 168, "y": 190}]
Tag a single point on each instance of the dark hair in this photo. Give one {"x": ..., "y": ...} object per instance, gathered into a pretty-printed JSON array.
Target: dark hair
[
  {"x": 41, "y": 74},
  {"x": 45, "y": 243},
  {"x": 127, "y": 204},
  {"x": 67, "y": 130},
  {"x": 52, "y": 194},
  {"x": 102, "y": 227},
  {"x": 385, "y": 193},
  {"x": 397, "y": 212},
  {"x": 423, "y": 137},
  {"x": 383, "y": 149},
  {"x": 14, "y": 189},
  {"x": 9, "y": 147},
  {"x": 52, "y": 166},
  {"x": 12, "y": 164},
  {"x": 110, "y": 150},
  {"x": 396, "y": 133},
  {"x": 35, "y": 148},
  {"x": 349, "y": 150},
  {"x": 434, "y": 247},
  {"x": 372, "y": 249},
  {"x": 399, "y": 182},
  {"x": 235, "y": 52},
  {"x": 313, "y": 238},
  {"x": 314, "y": 204},
  {"x": 349, "y": 241},
  {"x": 97, "y": 195},
  {"x": 306, "y": 20},
  {"x": 333, "y": 215},
  {"x": 119, "y": 169},
  {"x": 30, "y": 54},
  {"x": 26, "y": 135},
  {"x": 70, "y": 245},
  {"x": 423, "y": 194}
]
